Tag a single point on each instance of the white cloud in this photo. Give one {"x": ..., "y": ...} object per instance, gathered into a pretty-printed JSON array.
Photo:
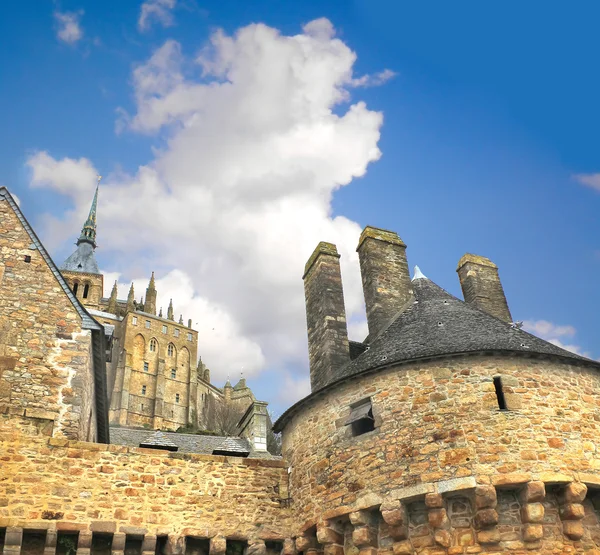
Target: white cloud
[
  {"x": 156, "y": 11},
  {"x": 240, "y": 192},
  {"x": 374, "y": 80},
  {"x": 554, "y": 334},
  {"x": 588, "y": 179},
  {"x": 68, "y": 26}
]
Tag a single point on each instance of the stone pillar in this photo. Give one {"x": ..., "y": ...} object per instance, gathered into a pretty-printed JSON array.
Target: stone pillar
[
  {"x": 289, "y": 547},
  {"x": 84, "y": 543},
  {"x": 532, "y": 511},
  {"x": 306, "y": 543},
  {"x": 256, "y": 547},
  {"x": 328, "y": 347},
  {"x": 438, "y": 519},
  {"x": 149, "y": 545},
  {"x": 385, "y": 276},
  {"x": 12, "y": 541},
  {"x": 176, "y": 545},
  {"x": 118, "y": 544},
  {"x": 481, "y": 286},
  {"x": 218, "y": 545},
  {"x": 364, "y": 535},
  {"x": 486, "y": 516},
  {"x": 124, "y": 408},
  {"x": 50, "y": 547},
  {"x": 395, "y": 517},
  {"x": 331, "y": 537},
  {"x": 571, "y": 510}
]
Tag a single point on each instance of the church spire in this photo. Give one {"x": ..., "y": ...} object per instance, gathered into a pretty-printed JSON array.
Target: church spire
[
  {"x": 170, "y": 310},
  {"x": 150, "y": 305},
  {"x": 130, "y": 299},
  {"x": 88, "y": 232},
  {"x": 112, "y": 301}
]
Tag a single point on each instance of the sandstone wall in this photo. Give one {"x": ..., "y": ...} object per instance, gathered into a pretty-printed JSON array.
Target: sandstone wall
[
  {"x": 54, "y": 484},
  {"x": 45, "y": 363},
  {"x": 439, "y": 431}
]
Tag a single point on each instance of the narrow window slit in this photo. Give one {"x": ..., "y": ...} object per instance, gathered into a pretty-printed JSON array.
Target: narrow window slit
[
  {"x": 500, "y": 393},
  {"x": 86, "y": 290}
]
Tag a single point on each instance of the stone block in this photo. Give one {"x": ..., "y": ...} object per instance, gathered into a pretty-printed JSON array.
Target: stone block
[
  {"x": 455, "y": 484},
  {"x": 488, "y": 536},
  {"x": 394, "y": 513},
  {"x": 326, "y": 534},
  {"x": 149, "y": 543},
  {"x": 103, "y": 526},
  {"x": 533, "y": 532},
  {"x": 443, "y": 538},
  {"x": 304, "y": 543},
  {"x": 572, "y": 511},
  {"x": 118, "y": 543},
  {"x": 13, "y": 536},
  {"x": 364, "y": 536},
  {"x": 574, "y": 492},
  {"x": 514, "y": 479},
  {"x": 533, "y": 492},
  {"x": 486, "y": 518},
  {"x": 398, "y": 532},
  {"x": 485, "y": 497},
  {"x": 257, "y": 547},
  {"x": 532, "y": 512},
  {"x": 365, "y": 551},
  {"x": 573, "y": 529},
  {"x": 403, "y": 548},
  {"x": 218, "y": 545},
  {"x": 333, "y": 549},
  {"x": 438, "y": 518},
  {"x": 434, "y": 501},
  {"x": 289, "y": 547},
  {"x": 361, "y": 518}
]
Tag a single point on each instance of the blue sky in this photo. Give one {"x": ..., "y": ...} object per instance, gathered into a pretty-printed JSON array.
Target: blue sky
[{"x": 489, "y": 144}]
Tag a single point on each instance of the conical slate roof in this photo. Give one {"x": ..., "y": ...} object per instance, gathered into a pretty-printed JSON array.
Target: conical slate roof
[{"x": 435, "y": 324}]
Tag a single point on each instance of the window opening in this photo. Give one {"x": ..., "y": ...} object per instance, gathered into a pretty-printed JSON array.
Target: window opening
[
  {"x": 133, "y": 545},
  {"x": 176, "y": 332},
  {"x": 361, "y": 418},
  {"x": 196, "y": 546},
  {"x": 189, "y": 336},
  {"x": 148, "y": 324},
  {"x": 101, "y": 544},
  {"x": 161, "y": 545},
  {"x": 66, "y": 542},
  {"x": 75, "y": 288},
  {"x": 499, "y": 393},
  {"x": 235, "y": 547},
  {"x": 2, "y": 538},
  {"x": 153, "y": 345},
  {"x": 146, "y": 367},
  {"x": 134, "y": 320},
  {"x": 170, "y": 349},
  {"x": 173, "y": 373},
  {"x": 164, "y": 329},
  {"x": 34, "y": 542},
  {"x": 86, "y": 290},
  {"x": 177, "y": 397},
  {"x": 27, "y": 258},
  {"x": 274, "y": 547},
  {"x": 143, "y": 390}
]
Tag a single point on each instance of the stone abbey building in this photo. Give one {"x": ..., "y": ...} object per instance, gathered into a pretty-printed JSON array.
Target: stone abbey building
[{"x": 448, "y": 430}]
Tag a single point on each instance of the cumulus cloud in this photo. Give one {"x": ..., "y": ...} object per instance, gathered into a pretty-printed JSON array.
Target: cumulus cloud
[
  {"x": 68, "y": 26},
  {"x": 156, "y": 11},
  {"x": 239, "y": 194},
  {"x": 555, "y": 334},
  {"x": 374, "y": 80},
  {"x": 588, "y": 179}
]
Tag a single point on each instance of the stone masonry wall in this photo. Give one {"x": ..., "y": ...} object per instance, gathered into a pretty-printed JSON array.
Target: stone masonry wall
[
  {"x": 45, "y": 363},
  {"x": 56, "y": 484},
  {"x": 439, "y": 431}
]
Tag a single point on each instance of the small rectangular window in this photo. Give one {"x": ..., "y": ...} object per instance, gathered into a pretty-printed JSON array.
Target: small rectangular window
[
  {"x": 146, "y": 367},
  {"x": 33, "y": 542},
  {"x": 27, "y": 258},
  {"x": 235, "y": 547},
  {"x": 148, "y": 324},
  {"x": 173, "y": 373},
  {"x": 161, "y": 545},
  {"x": 361, "y": 418},
  {"x": 101, "y": 544},
  {"x": 143, "y": 390},
  {"x": 164, "y": 329},
  {"x": 176, "y": 332},
  {"x": 66, "y": 542},
  {"x": 177, "y": 397},
  {"x": 500, "y": 393},
  {"x": 189, "y": 336},
  {"x": 196, "y": 546},
  {"x": 134, "y": 320},
  {"x": 133, "y": 545}
]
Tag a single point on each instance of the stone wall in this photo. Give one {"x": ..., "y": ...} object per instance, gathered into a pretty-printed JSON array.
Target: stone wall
[
  {"x": 439, "y": 430},
  {"x": 59, "y": 485},
  {"x": 45, "y": 363}
]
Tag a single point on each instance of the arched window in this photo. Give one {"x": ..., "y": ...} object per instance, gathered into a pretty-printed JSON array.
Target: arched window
[
  {"x": 171, "y": 349},
  {"x": 153, "y": 344},
  {"x": 75, "y": 287},
  {"x": 86, "y": 290}
]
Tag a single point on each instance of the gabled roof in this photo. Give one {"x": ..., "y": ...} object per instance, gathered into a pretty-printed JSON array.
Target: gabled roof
[
  {"x": 435, "y": 324},
  {"x": 158, "y": 440}
]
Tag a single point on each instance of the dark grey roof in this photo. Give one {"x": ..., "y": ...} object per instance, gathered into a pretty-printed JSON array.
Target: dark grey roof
[
  {"x": 157, "y": 440},
  {"x": 82, "y": 260},
  {"x": 188, "y": 443},
  {"x": 433, "y": 325}
]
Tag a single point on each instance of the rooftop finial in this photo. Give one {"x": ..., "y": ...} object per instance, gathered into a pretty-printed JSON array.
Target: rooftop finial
[
  {"x": 170, "y": 310},
  {"x": 417, "y": 274}
]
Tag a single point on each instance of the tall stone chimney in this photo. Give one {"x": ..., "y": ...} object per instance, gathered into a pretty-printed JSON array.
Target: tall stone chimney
[
  {"x": 328, "y": 348},
  {"x": 385, "y": 276},
  {"x": 481, "y": 285}
]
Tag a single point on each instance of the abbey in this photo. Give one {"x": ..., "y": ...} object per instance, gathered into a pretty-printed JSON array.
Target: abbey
[{"x": 448, "y": 430}]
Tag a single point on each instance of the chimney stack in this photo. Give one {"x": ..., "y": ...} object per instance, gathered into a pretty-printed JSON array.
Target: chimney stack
[
  {"x": 481, "y": 285},
  {"x": 328, "y": 348},
  {"x": 385, "y": 276}
]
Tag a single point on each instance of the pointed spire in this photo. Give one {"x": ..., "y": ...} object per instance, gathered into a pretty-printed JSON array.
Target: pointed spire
[
  {"x": 88, "y": 232},
  {"x": 417, "y": 274},
  {"x": 112, "y": 301},
  {"x": 160, "y": 313},
  {"x": 181, "y": 319},
  {"x": 150, "y": 305},
  {"x": 152, "y": 284},
  {"x": 170, "y": 310},
  {"x": 130, "y": 299}
]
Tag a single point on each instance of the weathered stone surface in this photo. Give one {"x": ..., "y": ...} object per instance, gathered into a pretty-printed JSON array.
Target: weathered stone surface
[
  {"x": 485, "y": 497},
  {"x": 403, "y": 548},
  {"x": 532, "y": 512},
  {"x": 443, "y": 538},
  {"x": 218, "y": 545},
  {"x": 438, "y": 518},
  {"x": 533, "y": 532},
  {"x": 327, "y": 534},
  {"x": 362, "y": 518},
  {"x": 434, "y": 501},
  {"x": 573, "y": 529},
  {"x": 364, "y": 536},
  {"x": 485, "y": 518},
  {"x": 572, "y": 511},
  {"x": 574, "y": 492},
  {"x": 488, "y": 536},
  {"x": 393, "y": 512},
  {"x": 533, "y": 492}
]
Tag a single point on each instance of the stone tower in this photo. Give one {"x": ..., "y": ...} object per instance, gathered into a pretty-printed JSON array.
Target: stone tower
[{"x": 81, "y": 269}]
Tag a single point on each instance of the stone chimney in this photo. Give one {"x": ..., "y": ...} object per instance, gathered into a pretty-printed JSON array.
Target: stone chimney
[
  {"x": 253, "y": 425},
  {"x": 481, "y": 285},
  {"x": 385, "y": 276},
  {"x": 328, "y": 347},
  {"x": 150, "y": 304}
]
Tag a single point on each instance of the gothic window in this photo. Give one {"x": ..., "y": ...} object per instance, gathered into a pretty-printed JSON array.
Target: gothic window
[
  {"x": 173, "y": 373},
  {"x": 176, "y": 332},
  {"x": 170, "y": 350},
  {"x": 153, "y": 344},
  {"x": 143, "y": 390},
  {"x": 177, "y": 397},
  {"x": 86, "y": 290}
]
